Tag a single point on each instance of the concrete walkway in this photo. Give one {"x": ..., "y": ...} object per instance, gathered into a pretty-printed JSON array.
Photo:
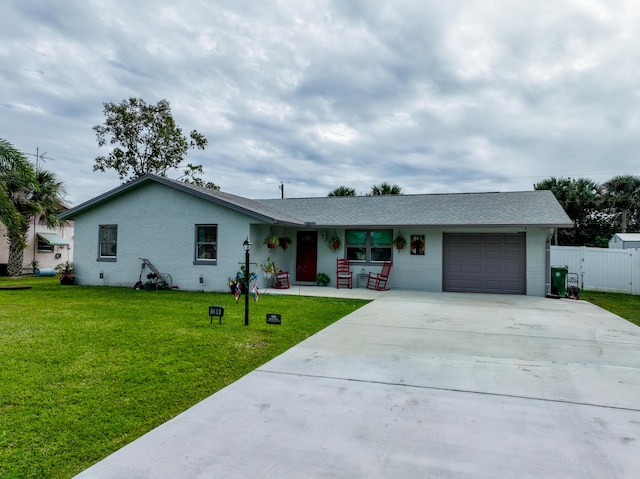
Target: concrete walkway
[{"x": 419, "y": 385}]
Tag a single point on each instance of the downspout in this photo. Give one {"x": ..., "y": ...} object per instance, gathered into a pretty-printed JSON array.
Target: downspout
[{"x": 547, "y": 262}]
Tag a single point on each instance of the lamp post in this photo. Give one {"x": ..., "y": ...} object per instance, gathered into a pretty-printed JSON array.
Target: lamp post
[{"x": 247, "y": 247}]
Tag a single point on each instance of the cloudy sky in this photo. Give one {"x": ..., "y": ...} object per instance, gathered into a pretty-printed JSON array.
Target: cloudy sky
[{"x": 435, "y": 96}]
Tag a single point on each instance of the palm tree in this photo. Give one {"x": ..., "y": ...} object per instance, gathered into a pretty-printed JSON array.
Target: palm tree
[
  {"x": 580, "y": 198},
  {"x": 385, "y": 188},
  {"x": 561, "y": 189},
  {"x": 622, "y": 193},
  {"x": 42, "y": 200},
  {"x": 343, "y": 191},
  {"x": 587, "y": 202},
  {"x": 14, "y": 168}
]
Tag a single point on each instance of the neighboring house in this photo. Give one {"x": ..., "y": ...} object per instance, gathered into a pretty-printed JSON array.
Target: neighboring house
[
  {"x": 47, "y": 246},
  {"x": 625, "y": 241},
  {"x": 475, "y": 242}
]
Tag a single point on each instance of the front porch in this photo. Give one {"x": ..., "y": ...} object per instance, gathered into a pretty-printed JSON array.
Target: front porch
[{"x": 326, "y": 292}]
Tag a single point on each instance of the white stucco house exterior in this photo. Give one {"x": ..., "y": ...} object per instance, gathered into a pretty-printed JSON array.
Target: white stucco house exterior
[
  {"x": 47, "y": 246},
  {"x": 470, "y": 242}
]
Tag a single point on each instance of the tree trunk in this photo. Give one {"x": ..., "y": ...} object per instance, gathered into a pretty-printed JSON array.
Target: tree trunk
[
  {"x": 17, "y": 244},
  {"x": 623, "y": 226}
]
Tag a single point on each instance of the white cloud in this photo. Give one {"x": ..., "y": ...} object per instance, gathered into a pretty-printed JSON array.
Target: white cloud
[{"x": 433, "y": 96}]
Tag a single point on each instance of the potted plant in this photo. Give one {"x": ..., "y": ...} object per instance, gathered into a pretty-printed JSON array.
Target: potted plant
[
  {"x": 334, "y": 243},
  {"x": 152, "y": 282},
  {"x": 284, "y": 241},
  {"x": 271, "y": 241},
  {"x": 268, "y": 268},
  {"x": 322, "y": 279},
  {"x": 66, "y": 271},
  {"x": 399, "y": 242}
]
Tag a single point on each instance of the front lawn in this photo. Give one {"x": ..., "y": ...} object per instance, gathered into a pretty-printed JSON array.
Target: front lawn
[
  {"x": 626, "y": 306},
  {"x": 86, "y": 370}
]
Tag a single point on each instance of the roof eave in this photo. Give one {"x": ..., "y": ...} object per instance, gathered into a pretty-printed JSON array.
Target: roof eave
[{"x": 448, "y": 225}]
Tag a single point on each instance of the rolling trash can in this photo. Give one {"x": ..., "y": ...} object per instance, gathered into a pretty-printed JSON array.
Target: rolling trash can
[{"x": 559, "y": 281}]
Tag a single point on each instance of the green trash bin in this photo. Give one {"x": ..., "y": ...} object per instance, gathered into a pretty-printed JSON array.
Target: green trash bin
[{"x": 559, "y": 281}]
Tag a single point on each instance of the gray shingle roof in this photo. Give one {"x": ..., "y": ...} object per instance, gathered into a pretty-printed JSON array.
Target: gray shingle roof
[
  {"x": 526, "y": 208},
  {"x": 245, "y": 205},
  {"x": 539, "y": 208}
]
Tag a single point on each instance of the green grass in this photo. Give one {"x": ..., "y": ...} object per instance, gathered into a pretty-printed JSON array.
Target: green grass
[
  {"x": 626, "y": 306},
  {"x": 86, "y": 370}
]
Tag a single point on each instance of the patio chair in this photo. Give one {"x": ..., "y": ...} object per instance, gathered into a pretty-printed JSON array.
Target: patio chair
[
  {"x": 378, "y": 281},
  {"x": 282, "y": 280},
  {"x": 344, "y": 277}
]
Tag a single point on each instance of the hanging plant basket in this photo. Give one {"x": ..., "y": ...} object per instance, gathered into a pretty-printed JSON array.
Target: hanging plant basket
[
  {"x": 284, "y": 242},
  {"x": 334, "y": 243},
  {"x": 399, "y": 242},
  {"x": 271, "y": 241}
]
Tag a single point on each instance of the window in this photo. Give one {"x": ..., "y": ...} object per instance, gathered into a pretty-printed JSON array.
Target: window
[
  {"x": 44, "y": 247},
  {"x": 369, "y": 246},
  {"x": 206, "y": 243},
  {"x": 48, "y": 240},
  {"x": 108, "y": 241}
]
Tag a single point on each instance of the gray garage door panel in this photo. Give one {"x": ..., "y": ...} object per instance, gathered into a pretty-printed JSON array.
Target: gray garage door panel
[{"x": 484, "y": 263}]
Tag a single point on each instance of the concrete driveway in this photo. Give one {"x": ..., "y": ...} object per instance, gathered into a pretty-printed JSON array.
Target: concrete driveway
[{"x": 419, "y": 385}]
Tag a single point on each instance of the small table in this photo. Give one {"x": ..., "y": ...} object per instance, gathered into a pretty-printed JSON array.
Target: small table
[{"x": 362, "y": 279}]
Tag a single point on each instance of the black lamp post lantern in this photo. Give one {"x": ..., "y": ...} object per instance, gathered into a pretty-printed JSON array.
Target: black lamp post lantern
[{"x": 247, "y": 247}]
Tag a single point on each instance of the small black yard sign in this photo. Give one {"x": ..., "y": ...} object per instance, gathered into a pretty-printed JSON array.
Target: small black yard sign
[
  {"x": 216, "y": 311},
  {"x": 274, "y": 318}
]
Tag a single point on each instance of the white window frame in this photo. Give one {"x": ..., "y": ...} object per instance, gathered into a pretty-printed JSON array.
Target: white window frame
[
  {"x": 206, "y": 245},
  {"x": 367, "y": 247},
  {"x": 102, "y": 241}
]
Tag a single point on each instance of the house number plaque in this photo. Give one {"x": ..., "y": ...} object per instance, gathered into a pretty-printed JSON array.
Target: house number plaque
[{"x": 216, "y": 311}]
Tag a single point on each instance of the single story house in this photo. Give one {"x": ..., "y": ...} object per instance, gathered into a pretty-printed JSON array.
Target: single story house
[
  {"x": 470, "y": 242},
  {"x": 46, "y": 247},
  {"x": 625, "y": 241}
]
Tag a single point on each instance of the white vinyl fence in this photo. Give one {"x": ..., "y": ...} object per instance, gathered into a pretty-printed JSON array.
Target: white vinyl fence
[{"x": 600, "y": 269}]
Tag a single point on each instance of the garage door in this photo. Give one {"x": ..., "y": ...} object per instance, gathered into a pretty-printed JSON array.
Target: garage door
[{"x": 484, "y": 263}]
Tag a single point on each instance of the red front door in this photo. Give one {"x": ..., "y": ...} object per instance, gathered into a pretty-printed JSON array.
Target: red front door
[{"x": 307, "y": 256}]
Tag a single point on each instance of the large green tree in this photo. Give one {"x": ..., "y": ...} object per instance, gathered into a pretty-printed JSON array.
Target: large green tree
[
  {"x": 43, "y": 200},
  {"x": 144, "y": 138},
  {"x": 622, "y": 194},
  {"x": 14, "y": 169}
]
